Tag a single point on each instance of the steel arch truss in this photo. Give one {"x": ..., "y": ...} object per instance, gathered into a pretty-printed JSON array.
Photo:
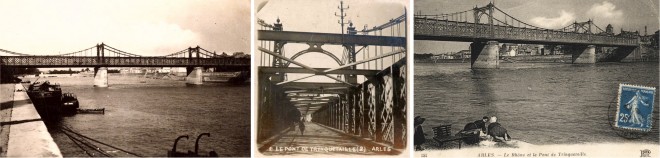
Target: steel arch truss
[{"x": 314, "y": 47}]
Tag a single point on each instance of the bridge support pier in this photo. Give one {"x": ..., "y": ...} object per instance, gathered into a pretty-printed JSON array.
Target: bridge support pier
[
  {"x": 101, "y": 77},
  {"x": 195, "y": 76},
  {"x": 625, "y": 54},
  {"x": 484, "y": 55},
  {"x": 582, "y": 55}
]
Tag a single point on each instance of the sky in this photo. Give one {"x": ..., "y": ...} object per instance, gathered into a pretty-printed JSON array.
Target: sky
[
  {"x": 145, "y": 27},
  {"x": 319, "y": 16},
  {"x": 631, "y": 15}
]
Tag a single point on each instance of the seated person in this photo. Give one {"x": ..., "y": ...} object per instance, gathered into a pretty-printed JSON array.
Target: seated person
[
  {"x": 419, "y": 133},
  {"x": 474, "y": 137},
  {"x": 496, "y": 131},
  {"x": 479, "y": 124}
]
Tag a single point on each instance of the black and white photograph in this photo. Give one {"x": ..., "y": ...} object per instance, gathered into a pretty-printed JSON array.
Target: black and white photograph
[
  {"x": 125, "y": 78},
  {"x": 535, "y": 78},
  {"x": 331, "y": 78}
]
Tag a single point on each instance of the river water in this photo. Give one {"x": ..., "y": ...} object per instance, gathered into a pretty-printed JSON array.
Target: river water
[
  {"x": 539, "y": 103},
  {"x": 144, "y": 116}
]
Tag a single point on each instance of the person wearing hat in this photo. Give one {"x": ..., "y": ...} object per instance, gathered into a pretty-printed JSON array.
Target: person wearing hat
[
  {"x": 482, "y": 123},
  {"x": 479, "y": 124},
  {"x": 474, "y": 135},
  {"x": 496, "y": 130},
  {"x": 419, "y": 133}
]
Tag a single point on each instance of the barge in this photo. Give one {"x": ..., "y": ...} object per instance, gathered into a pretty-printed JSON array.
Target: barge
[{"x": 49, "y": 100}]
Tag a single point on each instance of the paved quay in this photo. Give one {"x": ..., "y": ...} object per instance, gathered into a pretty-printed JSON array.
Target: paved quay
[
  {"x": 23, "y": 133},
  {"x": 6, "y": 102}
]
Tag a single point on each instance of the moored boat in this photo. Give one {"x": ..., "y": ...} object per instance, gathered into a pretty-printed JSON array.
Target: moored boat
[
  {"x": 69, "y": 103},
  {"x": 49, "y": 100},
  {"x": 46, "y": 98}
]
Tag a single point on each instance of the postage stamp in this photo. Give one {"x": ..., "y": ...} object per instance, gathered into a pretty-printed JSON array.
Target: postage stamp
[{"x": 635, "y": 107}]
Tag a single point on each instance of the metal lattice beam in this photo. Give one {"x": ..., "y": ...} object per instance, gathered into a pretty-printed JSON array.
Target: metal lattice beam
[
  {"x": 329, "y": 38},
  {"x": 75, "y": 61},
  {"x": 313, "y": 85},
  {"x": 307, "y": 71},
  {"x": 444, "y": 30}
]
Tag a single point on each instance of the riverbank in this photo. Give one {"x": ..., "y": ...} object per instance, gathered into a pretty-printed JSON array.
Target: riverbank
[
  {"x": 538, "y": 59},
  {"x": 23, "y": 132},
  {"x": 145, "y": 115},
  {"x": 509, "y": 59},
  {"x": 6, "y": 102},
  {"x": 565, "y": 58}
]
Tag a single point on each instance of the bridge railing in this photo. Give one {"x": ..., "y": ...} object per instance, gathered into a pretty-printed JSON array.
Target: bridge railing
[
  {"x": 467, "y": 30},
  {"x": 53, "y": 61},
  {"x": 376, "y": 109}
]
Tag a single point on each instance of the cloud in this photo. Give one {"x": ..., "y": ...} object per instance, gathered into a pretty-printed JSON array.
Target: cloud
[
  {"x": 157, "y": 38},
  {"x": 564, "y": 19},
  {"x": 149, "y": 28},
  {"x": 605, "y": 12}
]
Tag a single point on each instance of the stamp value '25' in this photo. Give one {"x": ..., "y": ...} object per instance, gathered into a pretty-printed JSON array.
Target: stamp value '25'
[{"x": 635, "y": 107}]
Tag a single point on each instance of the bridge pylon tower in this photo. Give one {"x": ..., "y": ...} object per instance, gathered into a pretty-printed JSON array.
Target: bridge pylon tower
[
  {"x": 486, "y": 10},
  {"x": 350, "y": 51},
  {"x": 194, "y": 74},
  {"x": 278, "y": 48},
  {"x": 100, "y": 72}
]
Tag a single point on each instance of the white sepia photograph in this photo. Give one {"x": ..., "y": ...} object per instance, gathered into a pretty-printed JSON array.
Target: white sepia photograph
[
  {"x": 536, "y": 78},
  {"x": 331, "y": 78},
  {"x": 125, "y": 78}
]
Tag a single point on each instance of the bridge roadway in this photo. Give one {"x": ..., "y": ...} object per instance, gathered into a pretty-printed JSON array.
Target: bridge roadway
[{"x": 446, "y": 30}]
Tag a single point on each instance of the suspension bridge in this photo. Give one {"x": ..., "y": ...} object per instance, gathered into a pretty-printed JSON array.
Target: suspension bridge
[
  {"x": 344, "y": 113},
  {"x": 102, "y": 56},
  {"x": 488, "y": 26}
]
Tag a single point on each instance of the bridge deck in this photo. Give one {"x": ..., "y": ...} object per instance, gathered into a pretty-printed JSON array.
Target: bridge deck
[
  {"x": 329, "y": 38},
  {"x": 75, "y": 61},
  {"x": 444, "y": 30},
  {"x": 315, "y": 136}
]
